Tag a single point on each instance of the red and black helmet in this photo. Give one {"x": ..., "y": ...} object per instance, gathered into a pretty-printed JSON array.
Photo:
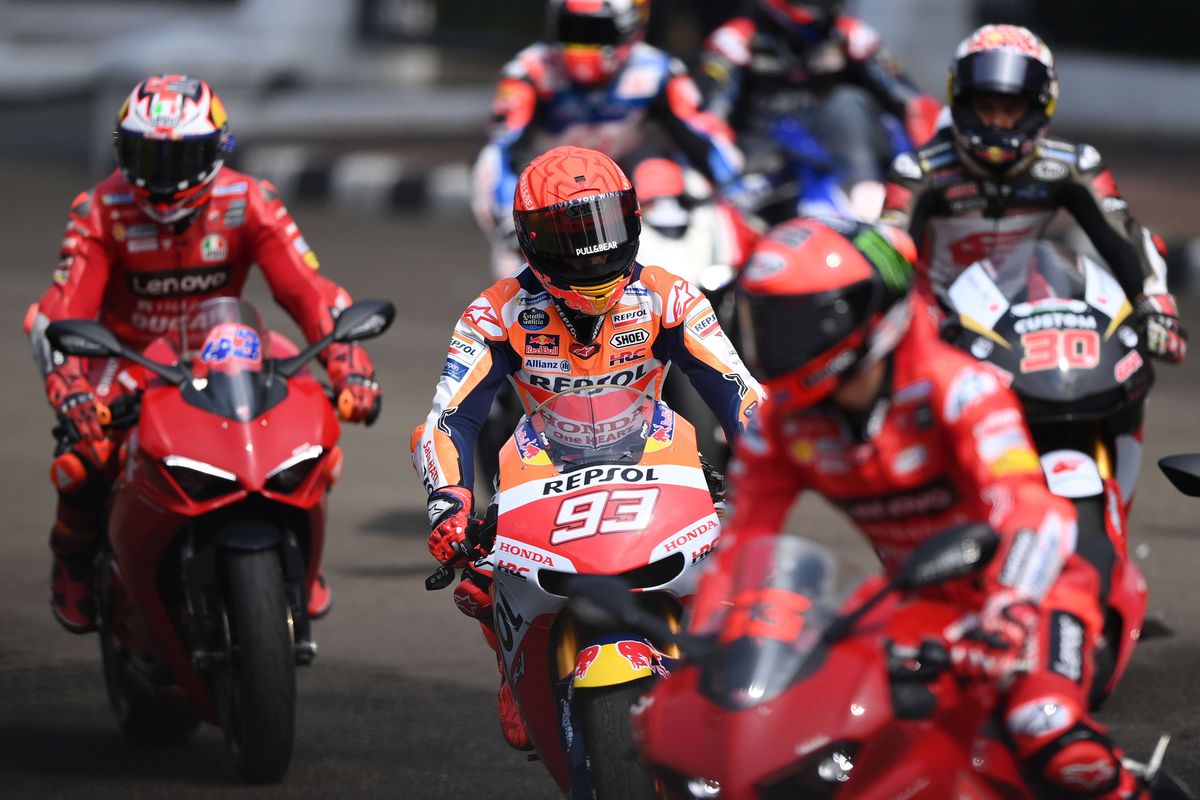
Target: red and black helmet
[
  {"x": 578, "y": 222},
  {"x": 171, "y": 139},
  {"x": 1007, "y": 60},
  {"x": 809, "y": 21},
  {"x": 820, "y": 303}
]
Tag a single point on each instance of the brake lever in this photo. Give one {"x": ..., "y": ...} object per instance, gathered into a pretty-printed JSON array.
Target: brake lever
[{"x": 470, "y": 549}]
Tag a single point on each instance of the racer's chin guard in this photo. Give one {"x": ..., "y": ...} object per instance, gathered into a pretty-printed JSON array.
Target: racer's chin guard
[{"x": 578, "y": 222}]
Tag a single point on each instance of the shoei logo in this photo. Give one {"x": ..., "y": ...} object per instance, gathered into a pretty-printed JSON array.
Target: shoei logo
[
  {"x": 630, "y": 338},
  {"x": 596, "y": 248}
]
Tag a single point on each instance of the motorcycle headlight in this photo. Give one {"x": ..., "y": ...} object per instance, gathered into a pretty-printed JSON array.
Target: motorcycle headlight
[
  {"x": 704, "y": 789},
  {"x": 821, "y": 774},
  {"x": 198, "y": 480},
  {"x": 287, "y": 477}
]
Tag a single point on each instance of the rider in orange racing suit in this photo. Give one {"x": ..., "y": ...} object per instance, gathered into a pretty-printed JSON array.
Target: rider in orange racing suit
[
  {"x": 908, "y": 436},
  {"x": 169, "y": 228},
  {"x": 583, "y": 312}
]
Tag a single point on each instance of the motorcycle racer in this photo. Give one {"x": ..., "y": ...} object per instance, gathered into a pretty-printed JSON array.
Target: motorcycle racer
[
  {"x": 582, "y": 312},
  {"x": 593, "y": 83},
  {"x": 993, "y": 179},
  {"x": 170, "y": 227},
  {"x": 908, "y": 436},
  {"x": 805, "y": 59}
]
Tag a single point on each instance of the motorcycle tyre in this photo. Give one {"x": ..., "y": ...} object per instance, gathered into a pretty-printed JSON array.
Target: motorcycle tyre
[
  {"x": 256, "y": 688},
  {"x": 613, "y": 765}
]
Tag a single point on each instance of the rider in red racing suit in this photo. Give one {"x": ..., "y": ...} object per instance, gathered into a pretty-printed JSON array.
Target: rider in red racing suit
[
  {"x": 565, "y": 321},
  {"x": 138, "y": 252},
  {"x": 908, "y": 436}
]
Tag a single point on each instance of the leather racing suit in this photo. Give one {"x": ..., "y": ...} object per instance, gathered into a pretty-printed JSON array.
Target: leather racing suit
[
  {"x": 137, "y": 277},
  {"x": 537, "y": 107},
  {"x": 957, "y": 215},
  {"x": 514, "y": 330},
  {"x": 752, "y": 74},
  {"x": 945, "y": 444}
]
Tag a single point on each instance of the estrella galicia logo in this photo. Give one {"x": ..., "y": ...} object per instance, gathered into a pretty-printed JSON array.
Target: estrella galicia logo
[
  {"x": 454, "y": 370},
  {"x": 176, "y": 282},
  {"x": 533, "y": 319}
]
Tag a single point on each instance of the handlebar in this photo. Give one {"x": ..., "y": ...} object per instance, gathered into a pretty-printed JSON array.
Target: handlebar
[{"x": 122, "y": 413}]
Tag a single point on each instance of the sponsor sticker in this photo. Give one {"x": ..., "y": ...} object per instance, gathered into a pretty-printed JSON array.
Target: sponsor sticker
[
  {"x": 627, "y": 317},
  {"x": 1047, "y": 170},
  {"x": 629, "y": 338},
  {"x": 547, "y": 364},
  {"x": 229, "y": 189},
  {"x": 141, "y": 245},
  {"x": 465, "y": 349},
  {"x": 214, "y": 248},
  {"x": 454, "y": 370},
  {"x": 533, "y": 319},
  {"x": 541, "y": 344},
  {"x": 584, "y": 351}
]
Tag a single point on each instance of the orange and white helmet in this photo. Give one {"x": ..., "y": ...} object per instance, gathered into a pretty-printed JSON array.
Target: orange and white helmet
[
  {"x": 171, "y": 138},
  {"x": 578, "y": 222},
  {"x": 596, "y": 36}
]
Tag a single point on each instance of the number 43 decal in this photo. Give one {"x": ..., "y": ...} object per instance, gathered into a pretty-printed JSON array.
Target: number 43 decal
[
  {"x": 1052, "y": 348},
  {"x": 606, "y": 511}
]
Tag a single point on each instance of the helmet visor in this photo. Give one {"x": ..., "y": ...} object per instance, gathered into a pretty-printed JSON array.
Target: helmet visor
[
  {"x": 166, "y": 166},
  {"x": 1005, "y": 72},
  {"x": 582, "y": 242},
  {"x": 590, "y": 30},
  {"x": 791, "y": 331}
]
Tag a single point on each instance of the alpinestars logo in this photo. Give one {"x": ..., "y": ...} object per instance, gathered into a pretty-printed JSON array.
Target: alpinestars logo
[{"x": 596, "y": 248}]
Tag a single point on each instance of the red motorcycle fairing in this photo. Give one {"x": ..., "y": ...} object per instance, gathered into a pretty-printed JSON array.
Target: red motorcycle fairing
[
  {"x": 840, "y": 698},
  {"x": 150, "y": 509}
]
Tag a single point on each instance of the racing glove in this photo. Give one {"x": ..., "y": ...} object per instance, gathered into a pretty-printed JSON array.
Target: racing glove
[
  {"x": 1165, "y": 336},
  {"x": 449, "y": 510},
  {"x": 921, "y": 118},
  {"x": 353, "y": 377},
  {"x": 72, "y": 398},
  {"x": 995, "y": 650}
]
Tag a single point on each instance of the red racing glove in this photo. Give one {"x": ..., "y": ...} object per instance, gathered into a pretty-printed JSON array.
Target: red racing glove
[
  {"x": 353, "y": 377},
  {"x": 1165, "y": 335},
  {"x": 449, "y": 510},
  {"x": 996, "y": 650},
  {"x": 72, "y": 398}
]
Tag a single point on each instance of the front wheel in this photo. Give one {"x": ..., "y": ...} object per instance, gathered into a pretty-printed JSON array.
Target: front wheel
[
  {"x": 256, "y": 683},
  {"x": 613, "y": 765}
]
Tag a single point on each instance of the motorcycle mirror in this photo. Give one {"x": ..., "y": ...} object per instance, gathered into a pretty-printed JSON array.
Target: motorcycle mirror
[
  {"x": 961, "y": 550},
  {"x": 1183, "y": 471},
  {"x": 83, "y": 337},
  {"x": 365, "y": 319}
]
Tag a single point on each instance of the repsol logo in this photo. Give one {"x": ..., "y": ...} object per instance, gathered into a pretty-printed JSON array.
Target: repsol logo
[
  {"x": 171, "y": 283},
  {"x": 1056, "y": 319},
  {"x": 623, "y": 378},
  {"x": 927, "y": 500},
  {"x": 587, "y": 477}
]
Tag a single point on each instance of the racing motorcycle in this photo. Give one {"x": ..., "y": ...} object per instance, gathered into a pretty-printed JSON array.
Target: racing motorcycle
[
  {"x": 215, "y": 527},
  {"x": 821, "y": 681},
  {"x": 1057, "y": 328},
  {"x": 595, "y": 481},
  {"x": 687, "y": 231}
]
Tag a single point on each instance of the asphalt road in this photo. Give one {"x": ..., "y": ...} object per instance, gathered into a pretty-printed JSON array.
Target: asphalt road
[{"x": 401, "y": 700}]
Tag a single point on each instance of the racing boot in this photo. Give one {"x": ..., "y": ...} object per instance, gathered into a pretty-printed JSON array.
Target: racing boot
[
  {"x": 73, "y": 539},
  {"x": 320, "y": 596},
  {"x": 71, "y": 597},
  {"x": 512, "y": 726}
]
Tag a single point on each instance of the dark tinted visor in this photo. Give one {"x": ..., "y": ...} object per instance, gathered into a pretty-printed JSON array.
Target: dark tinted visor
[
  {"x": 1003, "y": 71},
  {"x": 582, "y": 241},
  {"x": 578, "y": 29},
  {"x": 166, "y": 166},
  {"x": 789, "y": 332}
]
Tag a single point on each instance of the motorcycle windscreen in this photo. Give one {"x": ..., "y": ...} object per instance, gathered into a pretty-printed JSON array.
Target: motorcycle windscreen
[
  {"x": 1035, "y": 271},
  {"x": 594, "y": 425},
  {"x": 227, "y": 345},
  {"x": 786, "y": 593}
]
